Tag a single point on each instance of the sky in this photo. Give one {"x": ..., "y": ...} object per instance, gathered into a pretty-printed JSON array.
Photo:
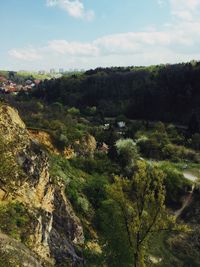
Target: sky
[{"x": 84, "y": 34}]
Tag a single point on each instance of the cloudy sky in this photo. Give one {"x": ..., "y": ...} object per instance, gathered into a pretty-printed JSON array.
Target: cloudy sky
[{"x": 44, "y": 34}]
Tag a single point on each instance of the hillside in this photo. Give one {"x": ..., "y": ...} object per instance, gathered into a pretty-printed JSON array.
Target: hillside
[
  {"x": 91, "y": 190},
  {"x": 69, "y": 185},
  {"x": 165, "y": 92}
]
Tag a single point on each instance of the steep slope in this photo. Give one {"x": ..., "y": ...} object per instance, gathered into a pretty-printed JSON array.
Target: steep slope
[{"x": 54, "y": 230}]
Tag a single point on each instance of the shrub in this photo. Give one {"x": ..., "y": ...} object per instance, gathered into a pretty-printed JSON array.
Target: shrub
[
  {"x": 15, "y": 220},
  {"x": 175, "y": 183},
  {"x": 127, "y": 153},
  {"x": 179, "y": 153}
]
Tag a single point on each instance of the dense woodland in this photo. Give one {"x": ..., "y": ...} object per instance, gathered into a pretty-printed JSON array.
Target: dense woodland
[{"x": 168, "y": 93}]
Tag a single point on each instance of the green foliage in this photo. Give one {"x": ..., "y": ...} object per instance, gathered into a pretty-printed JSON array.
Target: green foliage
[
  {"x": 194, "y": 124},
  {"x": 175, "y": 136},
  {"x": 8, "y": 166},
  {"x": 15, "y": 220},
  {"x": 159, "y": 145},
  {"x": 139, "y": 209},
  {"x": 175, "y": 183},
  {"x": 26, "y": 75},
  {"x": 166, "y": 92},
  {"x": 73, "y": 111},
  {"x": 127, "y": 154},
  {"x": 151, "y": 146},
  {"x": 63, "y": 127},
  {"x": 117, "y": 251},
  {"x": 195, "y": 141},
  {"x": 95, "y": 189},
  {"x": 179, "y": 153},
  {"x": 90, "y": 111},
  {"x": 74, "y": 180},
  {"x": 100, "y": 164}
]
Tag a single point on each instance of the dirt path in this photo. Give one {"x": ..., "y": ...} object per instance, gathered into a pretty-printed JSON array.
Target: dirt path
[
  {"x": 188, "y": 199},
  {"x": 190, "y": 176}
]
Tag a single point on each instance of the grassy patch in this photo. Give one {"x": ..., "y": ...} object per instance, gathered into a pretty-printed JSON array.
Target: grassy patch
[
  {"x": 15, "y": 221},
  {"x": 159, "y": 247}
]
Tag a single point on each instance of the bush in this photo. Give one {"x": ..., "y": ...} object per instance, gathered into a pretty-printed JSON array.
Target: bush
[
  {"x": 15, "y": 220},
  {"x": 127, "y": 153},
  {"x": 175, "y": 183},
  {"x": 73, "y": 111},
  {"x": 195, "y": 141},
  {"x": 179, "y": 153},
  {"x": 151, "y": 147}
]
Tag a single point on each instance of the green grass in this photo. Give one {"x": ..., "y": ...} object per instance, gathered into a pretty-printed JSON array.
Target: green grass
[
  {"x": 160, "y": 247},
  {"x": 15, "y": 220},
  {"x": 34, "y": 75}
]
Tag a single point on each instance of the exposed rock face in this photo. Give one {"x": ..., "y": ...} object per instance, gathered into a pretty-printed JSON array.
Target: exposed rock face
[
  {"x": 56, "y": 229},
  {"x": 43, "y": 138},
  {"x": 14, "y": 253},
  {"x": 86, "y": 146}
]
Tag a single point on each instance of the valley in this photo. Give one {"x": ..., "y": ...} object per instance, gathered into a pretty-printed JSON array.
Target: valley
[{"x": 78, "y": 186}]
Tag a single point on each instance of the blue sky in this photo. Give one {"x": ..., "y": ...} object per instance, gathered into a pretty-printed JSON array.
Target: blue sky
[{"x": 44, "y": 34}]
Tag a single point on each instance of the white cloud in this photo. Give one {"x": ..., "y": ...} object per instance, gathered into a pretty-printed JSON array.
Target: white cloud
[
  {"x": 27, "y": 54},
  {"x": 182, "y": 38},
  {"x": 73, "y": 48},
  {"x": 179, "y": 40},
  {"x": 184, "y": 9},
  {"x": 74, "y": 8}
]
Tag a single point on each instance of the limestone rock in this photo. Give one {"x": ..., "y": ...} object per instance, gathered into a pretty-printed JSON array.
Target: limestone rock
[{"x": 56, "y": 228}]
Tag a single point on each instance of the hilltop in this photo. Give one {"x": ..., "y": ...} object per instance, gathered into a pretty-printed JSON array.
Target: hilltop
[{"x": 168, "y": 93}]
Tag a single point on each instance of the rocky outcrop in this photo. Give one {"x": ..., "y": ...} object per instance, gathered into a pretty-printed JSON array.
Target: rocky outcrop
[
  {"x": 14, "y": 253},
  {"x": 86, "y": 146},
  {"x": 56, "y": 230},
  {"x": 43, "y": 138}
]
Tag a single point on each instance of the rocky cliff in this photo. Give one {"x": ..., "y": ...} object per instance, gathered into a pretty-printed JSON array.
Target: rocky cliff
[{"x": 54, "y": 231}]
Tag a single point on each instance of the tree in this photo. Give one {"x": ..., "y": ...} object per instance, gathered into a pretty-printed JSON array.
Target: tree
[
  {"x": 195, "y": 142},
  {"x": 11, "y": 75},
  {"x": 73, "y": 111},
  {"x": 194, "y": 124},
  {"x": 127, "y": 154},
  {"x": 142, "y": 204}
]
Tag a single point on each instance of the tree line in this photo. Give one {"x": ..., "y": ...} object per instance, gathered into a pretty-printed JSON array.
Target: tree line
[{"x": 163, "y": 92}]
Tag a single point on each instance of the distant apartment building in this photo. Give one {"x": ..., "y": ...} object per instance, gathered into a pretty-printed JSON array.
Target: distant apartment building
[
  {"x": 41, "y": 72},
  {"x": 52, "y": 71},
  {"x": 61, "y": 70}
]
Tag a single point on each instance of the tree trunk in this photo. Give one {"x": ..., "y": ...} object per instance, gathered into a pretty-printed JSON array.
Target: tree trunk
[{"x": 136, "y": 263}]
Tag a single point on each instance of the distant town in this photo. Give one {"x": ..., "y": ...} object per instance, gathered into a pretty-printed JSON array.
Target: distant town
[
  {"x": 12, "y": 82},
  {"x": 54, "y": 71},
  {"x": 10, "y": 87}
]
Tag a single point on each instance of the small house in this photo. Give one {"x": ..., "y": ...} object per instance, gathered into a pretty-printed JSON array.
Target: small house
[{"x": 121, "y": 124}]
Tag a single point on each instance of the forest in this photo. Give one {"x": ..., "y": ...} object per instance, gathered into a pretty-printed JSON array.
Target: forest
[{"x": 168, "y": 93}]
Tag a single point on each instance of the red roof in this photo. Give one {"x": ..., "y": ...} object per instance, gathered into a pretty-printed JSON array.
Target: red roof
[{"x": 3, "y": 79}]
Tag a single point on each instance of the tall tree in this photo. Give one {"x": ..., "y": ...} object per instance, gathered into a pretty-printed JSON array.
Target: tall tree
[
  {"x": 142, "y": 204},
  {"x": 194, "y": 124}
]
